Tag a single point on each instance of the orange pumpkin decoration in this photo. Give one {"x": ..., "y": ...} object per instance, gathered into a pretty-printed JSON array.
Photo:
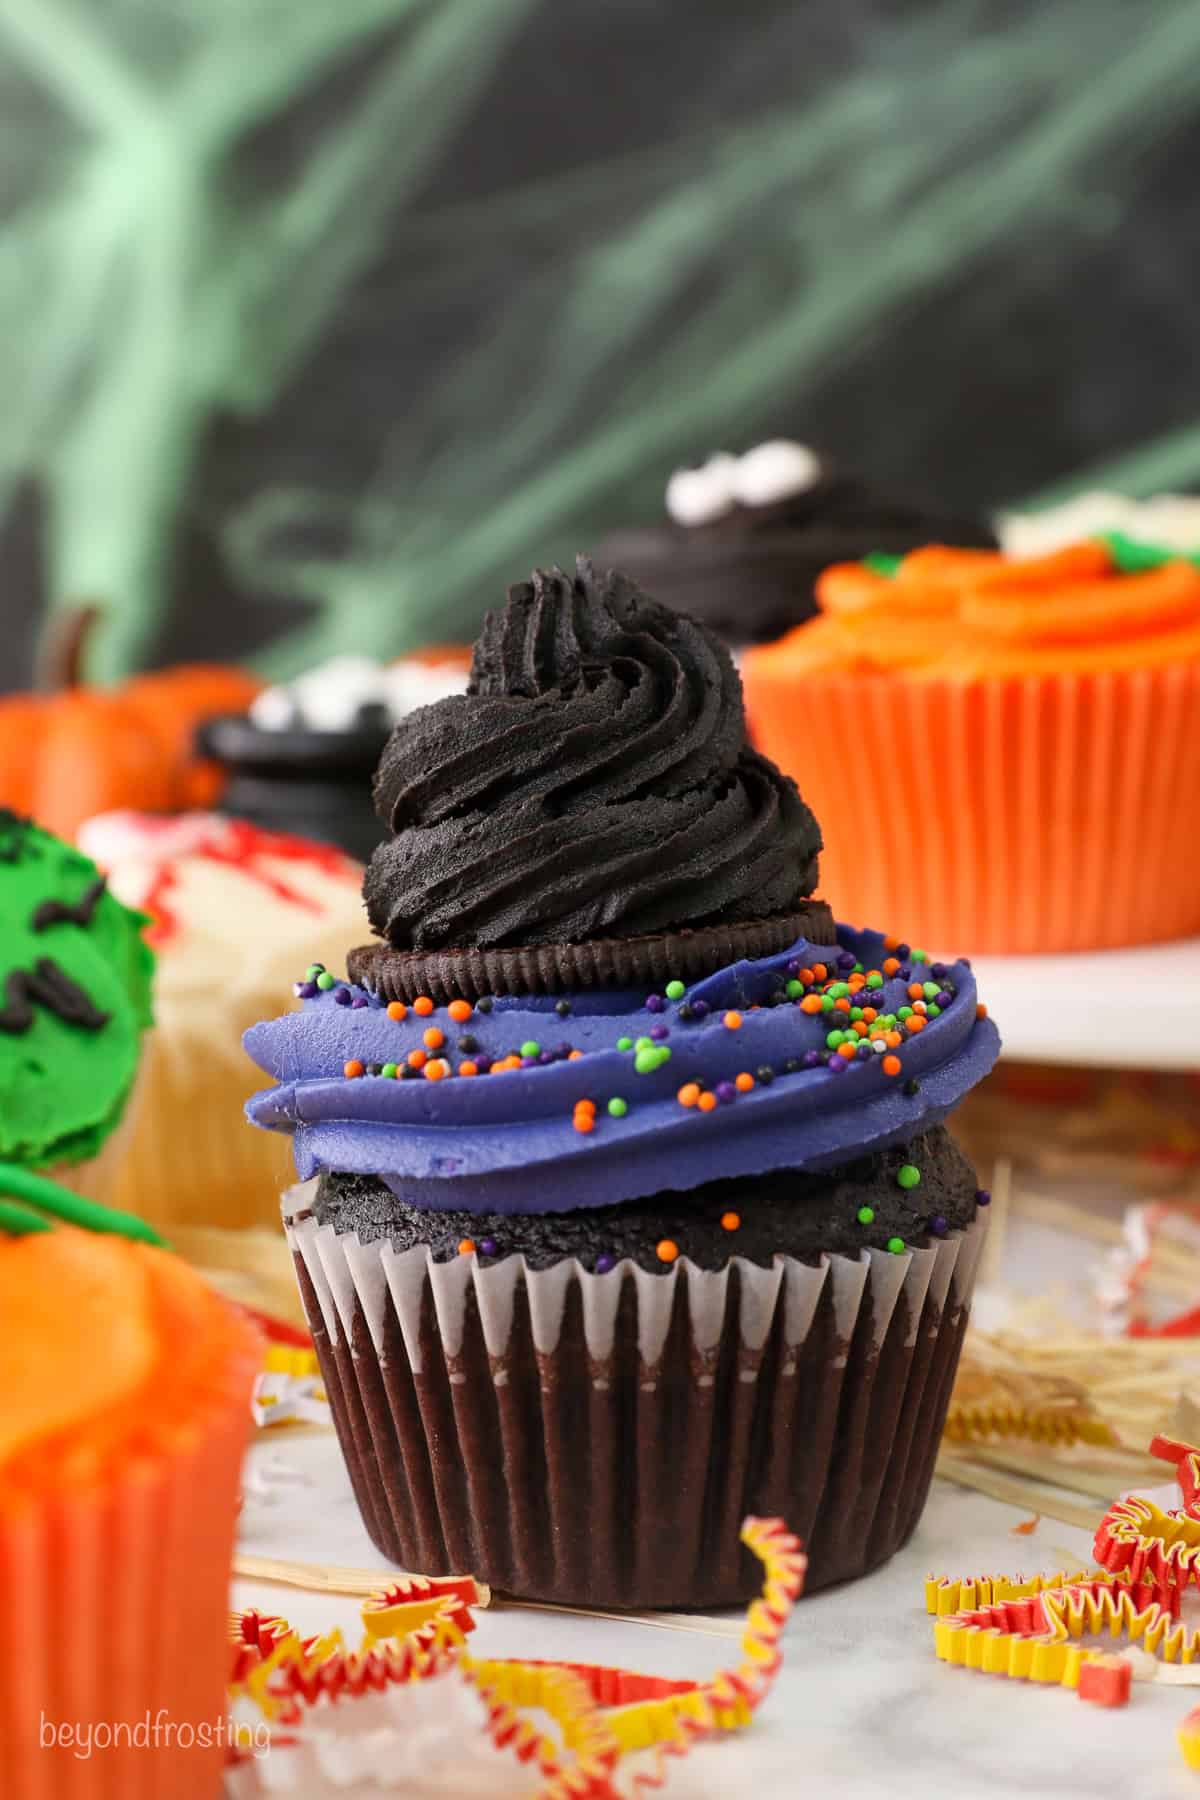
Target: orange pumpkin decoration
[{"x": 75, "y": 750}]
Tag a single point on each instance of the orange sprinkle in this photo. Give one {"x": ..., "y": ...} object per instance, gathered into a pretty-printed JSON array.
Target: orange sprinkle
[
  {"x": 847, "y": 1050},
  {"x": 666, "y": 1250},
  {"x": 890, "y": 965},
  {"x": 980, "y": 1010},
  {"x": 584, "y": 1121},
  {"x": 352, "y": 1068},
  {"x": 423, "y": 1005},
  {"x": 466, "y": 1246},
  {"x": 416, "y": 1059},
  {"x": 707, "y": 1101},
  {"x": 575, "y": 1056},
  {"x": 397, "y": 1009},
  {"x": 870, "y": 1014},
  {"x": 891, "y": 943},
  {"x": 732, "y": 1021},
  {"x": 856, "y": 983},
  {"x": 842, "y": 1005},
  {"x": 811, "y": 1003},
  {"x": 688, "y": 1094},
  {"x": 730, "y": 1221},
  {"x": 892, "y": 1039},
  {"x": 468, "y": 1068},
  {"x": 819, "y": 972},
  {"x": 743, "y": 1082},
  {"x": 859, "y": 1028},
  {"x": 806, "y": 976},
  {"x": 437, "y": 1069},
  {"x": 915, "y": 990},
  {"x": 459, "y": 1010},
  {"x": 891, "y": 1065},
  {"x": 433, "y": 1039},
  {"x": 586, "y": 1106},
  {"x": 919, "y": 1006},
  {"x": 916, "y": 1023}
]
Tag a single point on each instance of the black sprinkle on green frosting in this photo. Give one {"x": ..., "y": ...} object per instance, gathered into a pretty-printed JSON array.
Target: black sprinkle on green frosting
[{"x": 784, "y": 1213}]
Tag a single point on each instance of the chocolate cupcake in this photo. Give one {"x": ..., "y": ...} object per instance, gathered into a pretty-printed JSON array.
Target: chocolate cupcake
[
  {"x": 746, "y": 537},
  {"x": 646, "y": 1219},
  {"x": 300, "y": 761}
]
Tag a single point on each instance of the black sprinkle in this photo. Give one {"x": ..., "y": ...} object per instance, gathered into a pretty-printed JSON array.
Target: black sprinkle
[
  {"x": 468, "y": 1043},
  {"x": 374, "y": 1068},
  {"x": 408, "y": 1073},
  {"x": 912, "y": 1085},
  {"x": 791, "y": 1066},
  {"x": 686, "y": 1011},
  {"x": 562, "y": 1008},
  {"x": 764, "y": 1073},
  {"x": 484, "y": 1005}
]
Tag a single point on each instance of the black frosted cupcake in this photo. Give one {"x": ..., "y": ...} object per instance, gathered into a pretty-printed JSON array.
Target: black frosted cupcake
[
  {"x": 746, "y": 537},
  {"x": 626, "y": 1207}
]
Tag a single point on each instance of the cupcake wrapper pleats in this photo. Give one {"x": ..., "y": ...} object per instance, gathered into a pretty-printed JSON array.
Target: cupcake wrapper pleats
[{"x": 598, "y": 1438}]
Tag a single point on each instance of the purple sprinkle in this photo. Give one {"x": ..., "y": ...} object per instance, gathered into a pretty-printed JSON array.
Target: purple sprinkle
[
  {"x": 487, "y": 1246},
  {"x": 655, "y": 1003},
  {"x": 563, "y": 1051},
  {"x": 944, "y": 998},
  {"x": 982, "y": 1197},
  {"x": 359, "y": 1001},
  {"x": 483, "y": 1064},
  {"x": 307, "y": 990},
  {"x": 342, "y": 996},
  {"x": 813, "y": 1058},
  {"x": 846, "y": 960},
  {"x": 660, "y": 1031},
  {"x": 529, "y": 1062},
  {"x": 837, "y": 1064},
  {"x": 725, "y": 1090},
  {"x": 793, "y": 967},
  {"x": 700, "y": 1008},
  {"x": 605, "y": 1263},
  {"x": 938, "y": 971},
  {"x": 546, "y": 1056},
  {"x": 905, "y": 973},
  {"x": 938, "y": 1226}
]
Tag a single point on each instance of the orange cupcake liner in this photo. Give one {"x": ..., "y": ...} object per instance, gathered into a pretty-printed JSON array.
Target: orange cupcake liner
[
  {"x": 999, "y": 815},
  {"x": 115, "y": 1556}
]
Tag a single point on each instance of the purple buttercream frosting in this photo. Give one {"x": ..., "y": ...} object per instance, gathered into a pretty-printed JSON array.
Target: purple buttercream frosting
[{"x": 507, "y": 1142}]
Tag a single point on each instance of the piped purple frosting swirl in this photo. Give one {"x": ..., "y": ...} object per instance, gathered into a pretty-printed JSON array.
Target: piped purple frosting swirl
[{"x": 506, "y": 1142}]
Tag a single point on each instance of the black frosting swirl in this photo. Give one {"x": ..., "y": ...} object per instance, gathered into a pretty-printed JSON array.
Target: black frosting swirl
[{"x": 594, "y": 781}]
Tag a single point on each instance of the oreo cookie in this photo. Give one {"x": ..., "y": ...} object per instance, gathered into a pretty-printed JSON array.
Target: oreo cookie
[{"x": 636, "y": 962}]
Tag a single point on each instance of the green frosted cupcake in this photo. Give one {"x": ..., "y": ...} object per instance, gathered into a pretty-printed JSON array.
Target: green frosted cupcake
[{"x": 75, "y": 1000}]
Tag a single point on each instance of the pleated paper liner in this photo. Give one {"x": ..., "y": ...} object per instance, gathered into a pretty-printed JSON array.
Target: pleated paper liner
[
  {"x": 1004, "y": 815},
  {"x": 596, "y": 1439},
  {"x": 114, "y": 1575}
]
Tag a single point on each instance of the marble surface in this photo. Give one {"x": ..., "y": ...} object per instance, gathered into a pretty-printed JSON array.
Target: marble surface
[{"x": 861, "y": 1708}]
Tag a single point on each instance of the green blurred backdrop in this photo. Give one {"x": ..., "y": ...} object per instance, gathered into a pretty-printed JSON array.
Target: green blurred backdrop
[{"x": 322, "y": 319}]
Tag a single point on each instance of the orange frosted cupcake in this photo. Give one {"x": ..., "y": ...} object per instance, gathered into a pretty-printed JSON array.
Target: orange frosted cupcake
[
  {"x": 1003, "y": 754},
  {"x": 124, "y": 1386}
]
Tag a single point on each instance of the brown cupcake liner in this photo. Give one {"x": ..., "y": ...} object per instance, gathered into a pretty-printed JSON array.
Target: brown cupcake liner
[
  {"x": 648, "y": 962},
  {"x": 597, "y": 1439}
]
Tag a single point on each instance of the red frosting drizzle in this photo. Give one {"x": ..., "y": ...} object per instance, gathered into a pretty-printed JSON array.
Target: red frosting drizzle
[{"x": 238, "y": 845}]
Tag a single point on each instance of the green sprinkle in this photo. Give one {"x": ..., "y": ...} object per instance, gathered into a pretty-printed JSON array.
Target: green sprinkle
[
  {"x": 794, "y": 989},
  {"x": 932, "y": 1011},
  {"x": 326, "y": 981},
  {"x": 617, "y": 1108},
  {"x": 874, "y": 981},
  {"x": 391, "y": 1070},
  {"x": 904, "y": 1012},
  {"x": 675, "y": 990},
  {"x": 896, "y": 1246},
  {"x": 919, "y": 956},
  {"x": 839, "y": 990},
  {"x": 530, "y": 1048},
  {"x": 881, "y": 563},
  {"x": 313, "y": 970},
  {"x": 826, "y": 1002},
  {"x": 624, "y": 1043},
  {"x": 833, "y": 1039},
  {"x": 930, "y": 989},
  {"x": 857, "y": 969},
  {"x": 643, "y": 1043},
  {"x": 647, "y": 1060},
  {"x": 908, "y": 1175},
  {"x": 856, "y": 1012},
  {"x": 866, "y": 1215}
]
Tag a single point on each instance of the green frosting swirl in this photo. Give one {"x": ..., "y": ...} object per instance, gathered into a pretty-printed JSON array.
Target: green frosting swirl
[{"x": 75, "y": 980}]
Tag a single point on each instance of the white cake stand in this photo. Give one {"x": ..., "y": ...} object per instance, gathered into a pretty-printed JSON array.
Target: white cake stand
[{"x": 1111, "y": 1009}]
